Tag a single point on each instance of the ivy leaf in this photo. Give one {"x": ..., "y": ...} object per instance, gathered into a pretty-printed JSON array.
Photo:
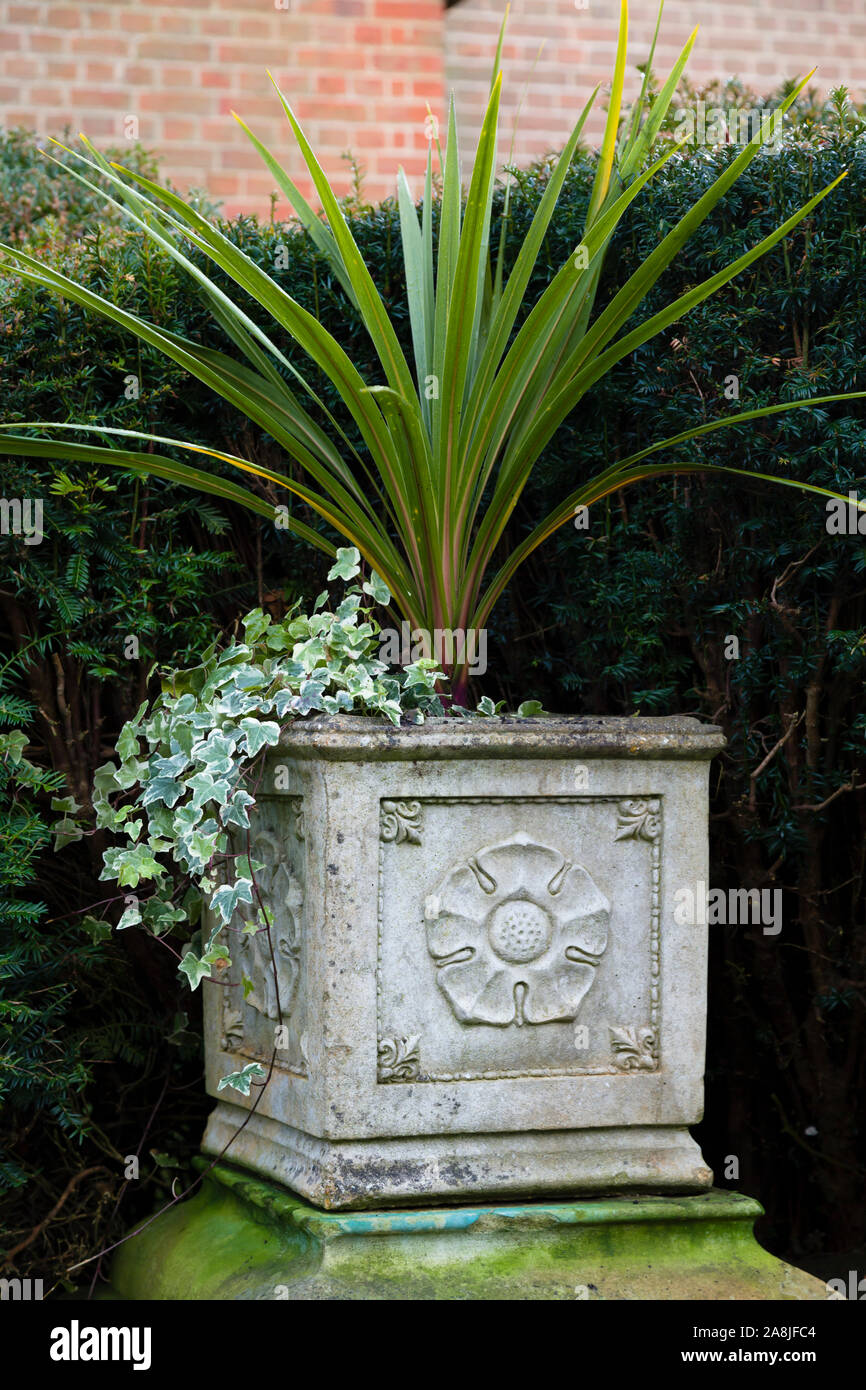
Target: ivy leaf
[
  {"x": 169, "y": 767},
  {"x": 311, "y": 653},
  {"x": 312, "y": 691},
  {"x": 348, "y": 564},
  {"x": 13, "y": 745},
  {"x": 128, "y": 745},
  {"x": 195, "y": 970},
  {"x": 201, "y": 847},
  {"x": 105, "y": 780},
  {"x": 182, "y": 706},
  {"x": 254, "y": 624},
  {"x": 183, "y": 738},
  {"x": 204, "y": 789},
  {"x": 529, "y": 709},
  {"x": 131, "y": 917},
  {"x": 487, "y": 707},
  {"x": 66, "y": 832},
  {"x": 159, "y": 916},
  {"x": 291, "y": 670},
  {"x": 283, "y": 701},
  {"x": 130, "y": 774},
  {"x": 130, "y": 866},
  {"x": 258, "y": 733},
  {"x": 391, "y": 708},
  {"x": 346, "y": 611},
  {"x": 96, "y": 929},
  {"x": 186, "y": 818},
  {"x": 227, "y": 897},
  {"x": 335, "y": 703},
  {"x": 378, "y": 589},
  {"x": 242, "y": 1080},
  {"x": 216, "y": 754},
  {"x": 236, "y": 811},
  {"x": 163, "y": 789}
]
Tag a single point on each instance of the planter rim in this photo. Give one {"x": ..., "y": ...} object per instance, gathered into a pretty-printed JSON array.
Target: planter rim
[{"x": 360, "y": 737}]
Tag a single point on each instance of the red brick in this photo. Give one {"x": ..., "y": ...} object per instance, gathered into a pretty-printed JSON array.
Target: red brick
[
  {"x": 46, "y": 43},
  {"x": 330, "y": 82},
  {"x": 99, "y": 72},
  {"x": 61, "y": 71},
  {"x": 172, "y": 49},
  {"x": 139, "y": 74},
  {"x": 65, "y": 18},
  {"x": 169, "y": 102},
  {"x": 172, "y": 23},
  {"x": 263, "y": 55},
  {"x": 21, "y": 67},
  {"x": 416, "y": 10},
  {"x": 370, "y": 35},
  {"x": 44, "y": 96},
  {"x": 95, "y": 44},
  {"x": 104, "y": 16},
  {"x": 171, "y": 76},
  {"x": 178, "y": 130},
  {"x": 214, "y": 77}
]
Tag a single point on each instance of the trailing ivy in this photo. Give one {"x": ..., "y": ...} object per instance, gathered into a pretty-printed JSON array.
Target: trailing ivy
[
  {"x": 184, "y": 788},
  {"x": 183, "y": 792}
]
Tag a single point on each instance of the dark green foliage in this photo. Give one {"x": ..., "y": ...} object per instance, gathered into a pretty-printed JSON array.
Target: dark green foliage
[
  {"x": 632, "y": 614},
  {"x": 39, "y": 1067},
  {"x": 41, "y": 203},
  {"x": 38, "y": 200}
]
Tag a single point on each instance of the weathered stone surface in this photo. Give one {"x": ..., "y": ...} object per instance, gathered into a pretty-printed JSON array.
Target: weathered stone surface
[
  {"x": 239, "y": 1238},
  {"x": 481, "y": 982}
]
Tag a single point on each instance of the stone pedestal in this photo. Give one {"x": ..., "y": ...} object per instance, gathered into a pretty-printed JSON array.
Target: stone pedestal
[
  {"x": 239, "y": 1238},
  {"x": 484, "y": 989}
]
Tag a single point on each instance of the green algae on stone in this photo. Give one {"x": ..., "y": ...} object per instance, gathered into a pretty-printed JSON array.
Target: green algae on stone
[{"x": 241, "y": 1238}]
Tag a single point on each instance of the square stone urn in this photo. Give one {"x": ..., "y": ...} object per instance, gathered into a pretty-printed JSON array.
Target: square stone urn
[{"x": 483, "y": 988}]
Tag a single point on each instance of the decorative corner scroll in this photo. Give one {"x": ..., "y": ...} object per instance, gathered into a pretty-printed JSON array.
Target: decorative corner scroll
[
  {"x": 399, "y": 1058},
  {"x": 300, "y": 823},
  {"x": 634, "y": 1049},
  {"x": 638, "y": 820},
  {"x": 401, "y": 821}
]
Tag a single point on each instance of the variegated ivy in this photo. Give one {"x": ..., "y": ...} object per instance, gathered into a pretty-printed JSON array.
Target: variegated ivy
[{"x": 183, "y": 793}]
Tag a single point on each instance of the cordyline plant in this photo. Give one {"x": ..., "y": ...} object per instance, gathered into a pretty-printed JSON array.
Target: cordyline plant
[{"x": 448, "y": 448}]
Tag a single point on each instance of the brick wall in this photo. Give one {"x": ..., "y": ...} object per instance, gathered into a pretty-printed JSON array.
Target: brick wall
[
  {"x": 761, "y": 41},
  {"x": 358, "y": 73},
  {"x": 361, "y": 72}
]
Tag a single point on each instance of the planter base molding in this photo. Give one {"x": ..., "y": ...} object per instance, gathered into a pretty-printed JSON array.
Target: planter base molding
[
  {"x": 369, "y": 1173},
  {"x": 239, "y": 1238}
]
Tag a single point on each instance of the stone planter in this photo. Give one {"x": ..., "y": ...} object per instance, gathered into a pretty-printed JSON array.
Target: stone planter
[{"x": 484, "y": 990}]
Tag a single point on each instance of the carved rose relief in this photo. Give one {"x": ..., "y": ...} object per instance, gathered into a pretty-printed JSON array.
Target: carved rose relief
[{"x": 516, "y": 933}]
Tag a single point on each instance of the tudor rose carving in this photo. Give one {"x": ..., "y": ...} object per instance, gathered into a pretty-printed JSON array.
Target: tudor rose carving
[{"x": 516, "y": 932}]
